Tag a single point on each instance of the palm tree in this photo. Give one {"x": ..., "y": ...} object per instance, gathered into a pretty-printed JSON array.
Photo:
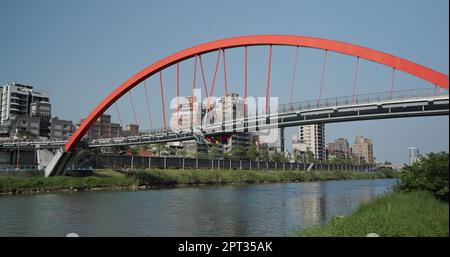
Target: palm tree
[
  {"x": 160, "y": 148},
  {"x": 252, "y": 153}
]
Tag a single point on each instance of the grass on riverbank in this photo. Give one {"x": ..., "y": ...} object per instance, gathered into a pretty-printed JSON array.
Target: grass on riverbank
[
  {"x": 21, "y": 184},
  {"x": 113, "y": 179},
  {"x": 395, "y": 214},
  {"x": 190, "y": 177}
]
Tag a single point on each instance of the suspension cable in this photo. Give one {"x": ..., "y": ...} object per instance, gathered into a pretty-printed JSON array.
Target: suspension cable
[
  {"x": 322, "y": 76},
  {"x": 268, "y": 79},
  {"x": 355, "y": 78},
  {"x": 293, "y": 75},
  {"x": 118, "y": 114},
  {"x": 132, "y": 107},
  {"x": 193, "y": 90},
  {"x": 392, "y": 82},
  {"x": 245, "y": 81},
  {"x": 162, "y": 98},
  {"x": 225, "y": 72},
  {"x": 215, "y": 73},
  {"x": 148, "y": 105},
  {"x": 178, "y": 91},
  {"x": 203, "y": 76}
]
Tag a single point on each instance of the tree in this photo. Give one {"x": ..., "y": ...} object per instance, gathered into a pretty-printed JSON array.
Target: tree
[
  {"x": 341, "y": 160},
  {"x": 160, "y": 149},
  {"x": 430, "y": 173},
  {"x": 201, "y": 155},
  {"x": 134, "y": 150},
  {"x": 119, "y": 149},
  {"x": 214, "y": 152},
  {"x": 309, "y": 156},
  {"x": 252, "y": 153},
  {"x": 181, "y": 153},
  {"x": 264, "y": 155},
  {"x": 237, "y": 152},
  {"x": 146, "y": 147},
  {"x": 278, "y": 157},
  {"x": 297, "y": 156}
]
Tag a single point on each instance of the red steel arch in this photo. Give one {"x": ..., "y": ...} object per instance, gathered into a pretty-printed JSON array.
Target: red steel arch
[{"x": 417, "y": 70}]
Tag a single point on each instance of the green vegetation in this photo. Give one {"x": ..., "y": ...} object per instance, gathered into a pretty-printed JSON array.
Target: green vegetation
[
  {"x": 252, "y": 153},
  {"x": 278, "y": 157},
  {"x": 214, "y": 152},
  {"x": 308, "y": 156},
  {"x": 388, "y": 172},
  {"x": 417, "y": 207},
  {"x": 395, "y": 214},
  {"x": 237, "y": 153},
  {"x": 264, "y": 155},
  {"x": 341, "y": 160},
  {"x": 190, "y": 177},
  {"x": 20, "y": 184},
  {"x": 430, "y": 173},
  {"x": 159, "y": 178},
  {"x": 160, "y": 149}
]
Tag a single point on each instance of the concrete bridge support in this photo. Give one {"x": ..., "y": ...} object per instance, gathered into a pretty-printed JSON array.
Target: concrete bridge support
[
  {"x": 58, "y": 164},
  {"x": 43, "y": 157},
  {"x": 62, "y": 160}
]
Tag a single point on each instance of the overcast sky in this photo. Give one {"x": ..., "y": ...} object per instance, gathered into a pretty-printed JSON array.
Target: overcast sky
[{"x": 79, "y": 51}]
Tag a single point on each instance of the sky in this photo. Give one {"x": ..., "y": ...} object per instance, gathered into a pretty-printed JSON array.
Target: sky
[{"x": 79, "y": 51}]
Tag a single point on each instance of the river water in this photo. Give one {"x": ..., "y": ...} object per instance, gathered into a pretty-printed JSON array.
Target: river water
[{"x": 231, "y": 210}]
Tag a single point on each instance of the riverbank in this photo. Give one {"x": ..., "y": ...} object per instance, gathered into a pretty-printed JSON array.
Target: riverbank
[
  {"x": 112, "y": 180},
  {"x": 393, "y": 215}
]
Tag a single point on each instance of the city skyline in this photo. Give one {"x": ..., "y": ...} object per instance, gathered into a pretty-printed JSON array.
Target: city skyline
[{"x": 68, "y": 58}]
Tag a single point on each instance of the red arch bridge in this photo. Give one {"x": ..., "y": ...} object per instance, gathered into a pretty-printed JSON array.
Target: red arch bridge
[{"x": 386, "y": 103}]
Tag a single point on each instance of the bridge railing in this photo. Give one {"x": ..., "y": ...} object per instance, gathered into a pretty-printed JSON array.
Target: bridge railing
[
  {"x": 282, "y": 109},
  {"x": 363, "y": 99},
  {"x": 337, "y": 102},
  {"x": 155, "y": 131}
]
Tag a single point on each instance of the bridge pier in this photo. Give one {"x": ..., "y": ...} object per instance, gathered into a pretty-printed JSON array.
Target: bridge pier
[
  {"x": 62, "y": 160},
  {"x": 58, "y": 163}
]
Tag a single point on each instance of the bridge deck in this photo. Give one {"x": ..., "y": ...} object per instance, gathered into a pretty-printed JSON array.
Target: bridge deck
[{"x": 408, "y": 103}]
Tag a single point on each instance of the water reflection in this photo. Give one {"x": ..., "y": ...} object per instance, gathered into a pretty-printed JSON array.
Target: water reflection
[{"x": 235, "y": 210}]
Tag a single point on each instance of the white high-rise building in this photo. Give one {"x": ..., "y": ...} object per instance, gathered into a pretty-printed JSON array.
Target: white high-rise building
[
  {"x": 312, "y": 137},
  {"x": 18, "y": 99},
  {"x": 413, "y": 154},
  {"x": 185, "y": 119}
]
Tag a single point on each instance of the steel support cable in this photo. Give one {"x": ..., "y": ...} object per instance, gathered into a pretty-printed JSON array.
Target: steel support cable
[
  {"x": 178, "y": 91},
  {"x": 294, "y": 74},
  {"x": 203, "y": 76},
  {"x": 148, "y": 105},
  {"x": 162, "y": 98},
  {"x": 225, "y": 72},
  {"x": 322, "y": 76},
  {"x": 215, "y": 73},
  {"x": 392, "y": 82},
  {"x": 208, "y": 104},
  {"x": 245, "y": 80},
  {"x": 132, "y": 107},
  {"x": 268, "y": 78},
  {"x": 355, "y": 78},
  {"x": 118, "y": 114},
  {"x": 193, "y": 90}
]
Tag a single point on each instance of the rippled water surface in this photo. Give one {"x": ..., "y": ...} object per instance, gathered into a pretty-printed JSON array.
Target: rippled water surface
[{"x": 233, "y": 210}]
